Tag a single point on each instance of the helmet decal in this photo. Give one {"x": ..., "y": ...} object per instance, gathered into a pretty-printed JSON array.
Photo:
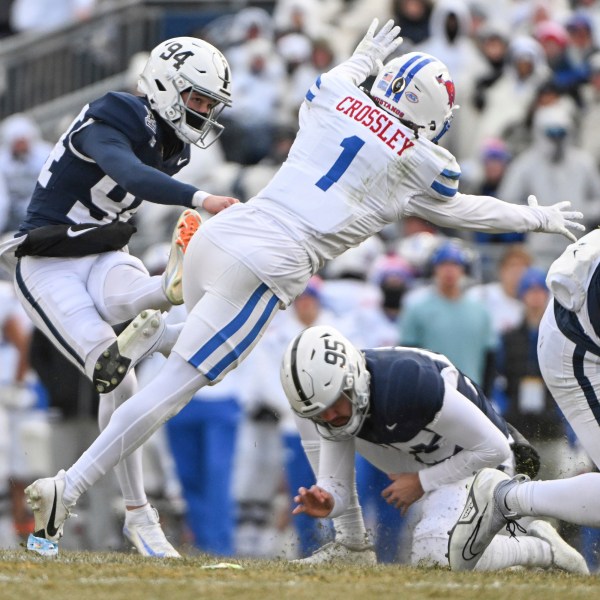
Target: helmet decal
[
  {"x": 179, "y": 58},
  {"x": 226, "y": 77},
  {"x": 398, "y": 85},
  {"x": 385, "y": 80},
  {"x": 304, "y": 397},
  {"x": 449, "y": 85},
  {"x": 417, "y": 89},
  {"x": 421, "y": 61}
]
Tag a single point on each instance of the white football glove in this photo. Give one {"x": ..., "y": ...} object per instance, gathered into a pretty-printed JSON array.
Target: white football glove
[
  {"x": 557, "y": 219},
  {"x": 380, "y": 46}
]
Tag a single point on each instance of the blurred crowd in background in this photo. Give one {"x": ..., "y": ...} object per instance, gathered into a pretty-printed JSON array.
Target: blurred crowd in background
[{"x": 223, "y": 472}]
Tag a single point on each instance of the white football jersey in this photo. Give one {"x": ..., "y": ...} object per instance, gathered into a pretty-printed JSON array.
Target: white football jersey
[{"x": 352, "y": 169}]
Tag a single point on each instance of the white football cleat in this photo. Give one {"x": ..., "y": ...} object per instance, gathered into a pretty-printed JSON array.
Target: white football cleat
[
  {"x": 45, "y": 497},
  {"x": 564, "y": 557},
  {"x": 483, "y": 516},
  {"x": 338, "y": 553},
  {"x": 187, "y": 225},
  {"x": 137, "y": 341},
  {"x": 145, "y": 533}
]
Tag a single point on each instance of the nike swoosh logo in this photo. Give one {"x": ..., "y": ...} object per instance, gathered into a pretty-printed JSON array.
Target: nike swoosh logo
[
  {"x": 51, "y": 529},
  {"x": 467, "y": 552},
  {"x": 182, "y": 161},
  {"x": 72, "y": 233},
  {"x": 391, "y": 427},
  {"x": 149, "y": 548}
]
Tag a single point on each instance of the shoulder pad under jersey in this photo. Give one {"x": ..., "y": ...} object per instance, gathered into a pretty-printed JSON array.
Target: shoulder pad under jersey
[
  {"x": 127, "y": 113},
  {"x": 445, "y": 180}
]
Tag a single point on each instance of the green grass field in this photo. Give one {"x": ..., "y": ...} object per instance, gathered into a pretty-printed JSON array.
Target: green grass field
[{"x": 118, "y": 576}]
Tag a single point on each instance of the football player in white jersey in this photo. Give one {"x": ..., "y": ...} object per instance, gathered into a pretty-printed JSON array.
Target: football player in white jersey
[
  {"x": 74, "y": 276},
  {"x": 415, "y": 416},
  {"x": 361, "y": 159},
  {"x": 569, "y": 357}
]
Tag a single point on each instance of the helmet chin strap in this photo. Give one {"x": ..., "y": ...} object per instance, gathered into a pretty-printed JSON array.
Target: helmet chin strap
[
  {"x": 443, "y": 130},
  {"x": 447, "y": 124},
  {"x": 413, "y": 126}
]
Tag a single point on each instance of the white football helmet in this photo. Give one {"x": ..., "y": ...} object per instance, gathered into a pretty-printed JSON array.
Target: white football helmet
[
  {"x": 417, "y": 88},
  {"x": 320, "y": 365},
  {"x": 184, "y": 64}
]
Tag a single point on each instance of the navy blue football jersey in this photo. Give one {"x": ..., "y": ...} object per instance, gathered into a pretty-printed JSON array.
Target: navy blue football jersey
[
  {"x": 120, "y": 132},
  {"x": 407, "y": 390}
]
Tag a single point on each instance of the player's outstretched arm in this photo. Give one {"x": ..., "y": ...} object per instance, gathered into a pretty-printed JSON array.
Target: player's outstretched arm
[{"x": 485, "y": 213}]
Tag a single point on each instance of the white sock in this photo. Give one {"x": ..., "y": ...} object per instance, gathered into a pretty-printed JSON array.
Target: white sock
[
  {"x": 505, "y": 551},
  {"x": 168, "y": 338},
  {"x": 129, "y": 471},
  {"x": 133, "y": 423},
  {"x": 350, "y": 525},
  {"x": 141, "y": 515},
  {"x": 574, "y": 500}
]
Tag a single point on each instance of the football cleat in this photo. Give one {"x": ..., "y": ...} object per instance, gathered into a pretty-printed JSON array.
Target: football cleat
[
  {"x": 564, "y": 557},
  {"x": 42, "y": 546},
  {"x": 45, "y": 497},
  {"x": 138, "y": 340},
  {"x": 187, "y": 225},
  {"x": 145, "y": 533},
  {"x": 482, "y": 518},
  {"x": 339, "y": 553}
]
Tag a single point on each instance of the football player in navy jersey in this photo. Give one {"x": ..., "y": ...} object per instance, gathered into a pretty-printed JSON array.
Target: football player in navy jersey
[
  {"x": 415, "y": 416},
  {"x": 74, "y": 275},
  {"x": 361, "y": 159}
]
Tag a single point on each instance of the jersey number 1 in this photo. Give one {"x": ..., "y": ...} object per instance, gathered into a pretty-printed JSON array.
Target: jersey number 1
[{"x": 351, "y": 145}]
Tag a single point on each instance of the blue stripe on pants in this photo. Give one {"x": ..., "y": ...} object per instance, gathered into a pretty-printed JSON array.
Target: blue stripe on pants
[
  {"x": 232, "y": 327},
  {"x": 243, "y": 345}
]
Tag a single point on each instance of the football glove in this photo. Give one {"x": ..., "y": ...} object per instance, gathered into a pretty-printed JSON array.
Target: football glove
[
  {"x": 379, "y": 46},
  {"x": 556, "y": 219},
  {"x": 527, "y": 459}
]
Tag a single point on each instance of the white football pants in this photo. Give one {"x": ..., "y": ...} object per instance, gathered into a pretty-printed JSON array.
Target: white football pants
[
  {"x": 75, "y": 302},
  {"x": 229, "y": 308}
]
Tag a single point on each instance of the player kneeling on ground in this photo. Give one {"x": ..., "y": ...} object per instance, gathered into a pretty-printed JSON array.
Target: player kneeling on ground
[{"x": 415, "y": 416}]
